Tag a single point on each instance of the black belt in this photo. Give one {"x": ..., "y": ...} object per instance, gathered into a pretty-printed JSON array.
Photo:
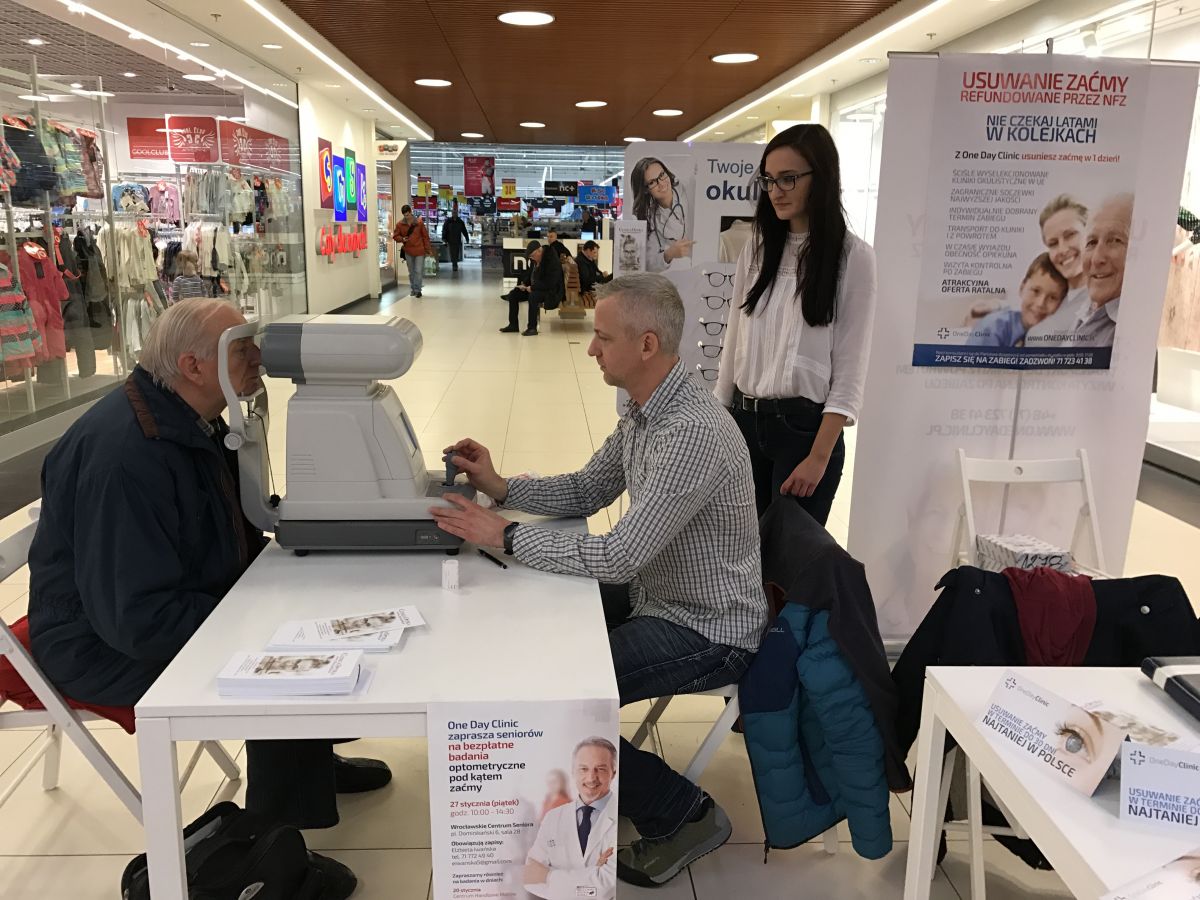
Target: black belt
[{"x": 787, "y": 406}]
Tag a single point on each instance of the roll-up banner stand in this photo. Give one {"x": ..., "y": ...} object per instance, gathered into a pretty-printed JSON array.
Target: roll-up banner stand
[
  {"x": 687, "y": 214},
  {"x": 1024, "y": 230}
]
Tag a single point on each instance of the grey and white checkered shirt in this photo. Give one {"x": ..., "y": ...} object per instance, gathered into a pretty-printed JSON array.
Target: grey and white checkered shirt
[{"x": 688, "y": 544}]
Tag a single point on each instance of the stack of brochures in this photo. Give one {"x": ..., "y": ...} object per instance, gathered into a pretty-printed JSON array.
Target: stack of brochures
[
  {"x": 290, "y": 674},
  {"x": 371, "y": 632}
]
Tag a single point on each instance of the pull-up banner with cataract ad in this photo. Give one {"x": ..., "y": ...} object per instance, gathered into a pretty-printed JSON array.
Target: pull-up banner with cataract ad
[
  {"x": 1106, "y": 221},
  {"x": 1030, "y": 212},
  {"x": 523, "y": 800}
]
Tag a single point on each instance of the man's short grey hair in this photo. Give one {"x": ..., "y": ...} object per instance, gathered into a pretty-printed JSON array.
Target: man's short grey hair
[
  {"x": 649, "y": 303},
  {"x": 183, "y": 328},
  {"x": 602, "y": 743}
]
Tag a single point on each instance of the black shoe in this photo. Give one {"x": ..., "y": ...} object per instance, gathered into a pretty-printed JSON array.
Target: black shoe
[
  {"x": 417, "y": 295},
  {"x": 529, "y": 332},
  {"x": 509, "y": 329},
  {"x": 337, "y": 881},
  {"x": 357, "y": 775}
]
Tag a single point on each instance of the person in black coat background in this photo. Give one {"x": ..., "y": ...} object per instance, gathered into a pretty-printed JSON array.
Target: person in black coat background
[
  {"x": 455, "y": 234},
  {"x": 589, "y": 268},
  {"x": 546, "y": 289}
]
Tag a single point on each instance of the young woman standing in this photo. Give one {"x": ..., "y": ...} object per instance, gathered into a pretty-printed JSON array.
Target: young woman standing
[{"x": 795, "y": 356}]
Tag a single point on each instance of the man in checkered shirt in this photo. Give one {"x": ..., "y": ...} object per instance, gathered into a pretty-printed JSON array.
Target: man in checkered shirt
[{"x": 687, "y": 548}]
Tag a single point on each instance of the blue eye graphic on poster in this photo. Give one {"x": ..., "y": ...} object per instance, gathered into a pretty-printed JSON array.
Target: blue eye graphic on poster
[
  {"x": 339, "y": 189},
  {"x": 361, "y": 183}
]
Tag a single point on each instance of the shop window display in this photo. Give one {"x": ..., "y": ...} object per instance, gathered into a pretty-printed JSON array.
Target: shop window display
[{"x": 103, "y": 192}]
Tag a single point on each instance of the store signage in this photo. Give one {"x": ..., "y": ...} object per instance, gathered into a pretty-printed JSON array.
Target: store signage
[
  {"x": 508, "y": 204},
  {"x": 386, "y": 150},
  {"x": 508, "y": 188},
  {"x": 561, "y": 188},
  {"x": 242, "y": 145},
  {"x": 445, "y": 193},
  {"x": 360, "y": 184},
  {"x": 192, "y": 139},
  {"x": 336, "y": 240},
  {"x": 351, "y": 182},
  {"x": 339, "y": 189},
  {"x": 325, "y": 172},
  {"x": 424, "y": 186},
  {"x": 147, "y": 137},
  {"x": 479, "y": 176},
  {"x": 1161, "y": 787},
  {"x": 596, "y": 195},
  {"x": 460, "y": 198},
  {"x": 494, "y": 835}
]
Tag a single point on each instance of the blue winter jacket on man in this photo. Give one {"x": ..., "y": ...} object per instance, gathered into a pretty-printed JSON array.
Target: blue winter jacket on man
[
  {"x": 141, "y": 534},
  {"x": 818, "y": 703}
]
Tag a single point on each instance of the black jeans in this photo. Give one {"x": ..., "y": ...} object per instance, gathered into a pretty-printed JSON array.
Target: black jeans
[
  {"x": 292, "y": 782},
  {"x": 656, "y": 658},
  {"x": 514, "y": 308},
  {"x": 779, "y": 443}
]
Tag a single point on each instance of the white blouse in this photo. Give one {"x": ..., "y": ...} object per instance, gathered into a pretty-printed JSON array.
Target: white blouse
[{"x": 775, "y": 354}]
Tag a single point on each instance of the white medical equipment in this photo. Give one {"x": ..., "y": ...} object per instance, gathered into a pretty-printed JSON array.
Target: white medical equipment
[{"x": 356, "y": 477}]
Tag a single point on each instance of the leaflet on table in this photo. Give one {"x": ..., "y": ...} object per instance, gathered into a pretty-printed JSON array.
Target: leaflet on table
[
  {"x": 1177, "y": 880},
  {"x": 1160, "y": 787},
  {"x": 1074, "y": 744},
  {"x": 293, "y": 674},
  {"x": 511, "y": 785},
  {"x": 358, "y": 624},
  {"x": 1032, "y": 161}
]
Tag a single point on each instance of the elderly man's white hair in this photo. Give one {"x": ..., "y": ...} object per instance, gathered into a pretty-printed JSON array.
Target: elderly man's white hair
[
  {"x": 649, "y": 303},
  {"x": 183, "y": 328}
]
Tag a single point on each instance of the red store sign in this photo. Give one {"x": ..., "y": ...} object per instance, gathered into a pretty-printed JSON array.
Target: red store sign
[
  {"x": 192, "y": 139},
  {"x": 242, "y": 145},
  {"x": 333, "y": 241},
  {"x": 147, "y": 137}
]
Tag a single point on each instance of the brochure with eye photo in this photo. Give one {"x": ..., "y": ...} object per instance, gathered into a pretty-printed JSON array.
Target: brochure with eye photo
[
  {"x": 346, "y": 632},
  {"x": 1177, "y": 880},
  {"x": 290, "y": 674}
]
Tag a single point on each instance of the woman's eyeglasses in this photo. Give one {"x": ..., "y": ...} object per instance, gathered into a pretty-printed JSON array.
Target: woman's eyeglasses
[
  {"x": 652, "y": 183},
  {"x": 713, "y": 328},
  {"x": 708, "y": 374},
  {"x": 711, "y": 351},
  {"x": 785, "y": 182},
  {"x": 716, "y": 279},
  {"x": 716, "y": 302}
]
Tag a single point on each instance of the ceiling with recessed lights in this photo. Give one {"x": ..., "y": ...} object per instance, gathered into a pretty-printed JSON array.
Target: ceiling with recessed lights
[{"x": 637, "y": 56}]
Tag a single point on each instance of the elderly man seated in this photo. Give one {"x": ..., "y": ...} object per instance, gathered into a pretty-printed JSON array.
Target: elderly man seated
[{"x": 142, "y": 533}]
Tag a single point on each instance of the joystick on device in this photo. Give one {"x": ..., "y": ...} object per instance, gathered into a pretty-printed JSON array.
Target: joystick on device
[{"x": 451, "y": 468}]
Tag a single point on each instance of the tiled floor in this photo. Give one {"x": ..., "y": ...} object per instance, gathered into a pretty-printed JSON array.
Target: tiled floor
[{"x": 541, "y": 406}]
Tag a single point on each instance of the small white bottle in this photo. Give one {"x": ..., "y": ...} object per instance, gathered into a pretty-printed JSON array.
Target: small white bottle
[{"x": 450, "y": 575}]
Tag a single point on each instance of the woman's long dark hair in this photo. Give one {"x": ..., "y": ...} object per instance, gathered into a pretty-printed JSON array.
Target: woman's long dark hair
[
  {"x": 820, "y": 262},
  {"x": 641, "y": 194}
]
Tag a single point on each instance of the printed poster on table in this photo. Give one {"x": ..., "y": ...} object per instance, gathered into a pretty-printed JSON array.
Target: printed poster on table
[
  {"x": 479, "y": 176},
  {"x": 1177, "y": 880},
  {"x": 1033, "y": 161},
  {"x": 325, "y": 170},
  {"x": 523, "y": 800}
]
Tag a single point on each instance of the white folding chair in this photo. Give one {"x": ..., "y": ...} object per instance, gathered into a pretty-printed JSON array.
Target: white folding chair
[
  {"x": 58, "y": 719},
  {"x": 1008, "y": 472},
  {"x": 712, "y": 741}
]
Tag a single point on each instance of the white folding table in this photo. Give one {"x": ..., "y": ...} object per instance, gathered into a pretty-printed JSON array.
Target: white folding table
[
  {"x": 515, "y": 634},
  {"x": 1082, "y": 837}
]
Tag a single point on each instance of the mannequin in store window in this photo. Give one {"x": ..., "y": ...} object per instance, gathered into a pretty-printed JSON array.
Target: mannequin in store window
[{"x": 795, "y": 357}]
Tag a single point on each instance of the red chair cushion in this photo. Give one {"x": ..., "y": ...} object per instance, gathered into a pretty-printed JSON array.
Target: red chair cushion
[{"x": 14, "y": 688}]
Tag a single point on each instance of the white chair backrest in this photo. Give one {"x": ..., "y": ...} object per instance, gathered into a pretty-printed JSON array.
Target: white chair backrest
[{"x": 14, "y": 551}]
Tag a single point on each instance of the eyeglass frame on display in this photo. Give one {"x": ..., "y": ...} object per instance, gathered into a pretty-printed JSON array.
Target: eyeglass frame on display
[
  {"x": 709, "y": 298},
  {"x": 722, "y": 278},
  {"x": 721, "y": 326},
  {"x": 766, "y": 183},
  {"x": 704, "y": 348},
  {"x": 704, "y": 372}
]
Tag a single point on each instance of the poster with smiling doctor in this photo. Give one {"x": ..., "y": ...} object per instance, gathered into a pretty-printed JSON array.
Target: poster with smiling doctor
[{"x": 523, "y": 800}]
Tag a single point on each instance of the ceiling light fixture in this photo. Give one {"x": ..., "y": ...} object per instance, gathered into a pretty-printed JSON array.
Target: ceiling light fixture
[
  {"x": 751, "y": 117},
  {"x": 76, "y": 84},
  {"x": 130, "y": 74},
  {"x": 83, "y": 93},
  {"x": 668, "y": 113},
  {"x": 135, "y": 36},
  {"x": 525, "y": 18},
  {"x": 533, "y": 124},
  {"x": 34, "y": 42},
  {"x": 732, "y": 59},
  {"x": 272, "y": 46},
  {"x": 432, "y": 82},
  {"x": 171, "y": 48},
  {"x": 718, "y": 132},
  {"x": 633, "y": 140},
  {"x": 333, "y": 64},
  {"x": 278, "y": 84},
  {"x": 853, "y": 52},
  {"x": 466, "y": 134},
  {"x": 199, "y": 44},
  {"x": 870, "y": 60},
  {"x": 591, "y": 104},
  {"x": 200, "y": 76},
  {"x": 34, "y": 98}
]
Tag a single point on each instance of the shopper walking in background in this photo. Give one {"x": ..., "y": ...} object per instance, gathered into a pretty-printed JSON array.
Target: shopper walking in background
[
  {"x": 455, "y": 234},
  {"x": 799, "y": 334},
  {"x": 188, "y": 285},
  {"x": 413, "y": 238}
]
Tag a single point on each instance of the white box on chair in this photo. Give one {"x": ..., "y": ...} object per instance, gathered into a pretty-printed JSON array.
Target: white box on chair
[{"x": 1020, "y": 551}]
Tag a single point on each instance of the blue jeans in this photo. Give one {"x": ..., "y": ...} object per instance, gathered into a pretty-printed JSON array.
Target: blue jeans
[
  {"x": 416, "y": 272},
  {"x": 656, "y": 658}
]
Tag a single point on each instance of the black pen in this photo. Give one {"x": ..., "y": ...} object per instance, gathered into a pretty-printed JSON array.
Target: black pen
[{"x": 487, "y": 555}]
